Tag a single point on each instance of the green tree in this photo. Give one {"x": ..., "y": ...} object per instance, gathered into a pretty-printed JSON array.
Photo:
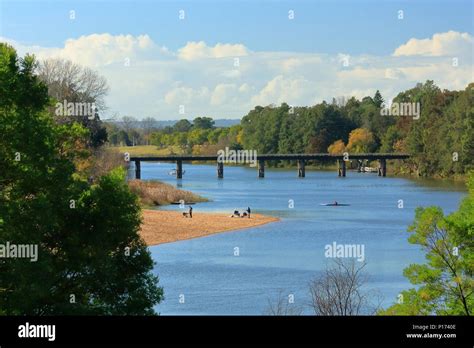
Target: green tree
[
  {"x": 91, "y": 259},
  {"x": 67, "y": 81},
  {"x": 445, "y": 282},
  {"x": 203, "y": 122},
  {"x": 378, "y": 99},
  {"x": 182, "y": 126},
  {"x": 180, "y": 139},
  {"x": 213, "y": 136},
  {"x": 158, "y": 139},
  {"x": 390, "y": 138},
  {"x": 197, "y": 136}
]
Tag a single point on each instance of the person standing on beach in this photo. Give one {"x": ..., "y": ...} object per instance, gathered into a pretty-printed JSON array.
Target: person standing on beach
[
  {"x": 248, "y": 211},
  {"x": 191, "y": 212}
]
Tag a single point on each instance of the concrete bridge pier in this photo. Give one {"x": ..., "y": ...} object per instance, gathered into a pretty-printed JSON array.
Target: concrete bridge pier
[
  {"x": 179, "y": 169},
  {"x": 261, "y": 168},
  {"x": 220, "y": 170},
  {"x": 382, "y": 167},
  {"x": 138, "y": 171},
  {"x": 301, "y": 169},
  {"x": 341, "y": 168}
]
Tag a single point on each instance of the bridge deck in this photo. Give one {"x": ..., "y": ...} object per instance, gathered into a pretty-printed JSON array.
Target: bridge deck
[{"x": 267, "y": 157}]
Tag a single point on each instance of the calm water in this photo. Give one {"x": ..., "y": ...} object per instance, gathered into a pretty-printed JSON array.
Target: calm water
[{"x": 285, "y": 256}]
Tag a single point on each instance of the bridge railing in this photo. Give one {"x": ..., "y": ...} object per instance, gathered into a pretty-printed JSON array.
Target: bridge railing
[{"x": 267, "y": 157}]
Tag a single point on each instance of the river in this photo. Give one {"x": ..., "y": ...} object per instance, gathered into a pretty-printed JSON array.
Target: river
[{"x": 237, "y": 273}]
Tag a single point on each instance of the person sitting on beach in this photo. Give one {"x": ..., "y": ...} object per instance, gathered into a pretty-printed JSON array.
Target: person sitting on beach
[
  {"x": 244, "y": 214},
  {"x": 236, "y": 213}
]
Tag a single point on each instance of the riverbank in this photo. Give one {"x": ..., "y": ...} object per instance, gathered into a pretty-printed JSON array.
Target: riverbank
[
  {"x": 154, "y": 192},
  {"x": 170, "y": 226}
]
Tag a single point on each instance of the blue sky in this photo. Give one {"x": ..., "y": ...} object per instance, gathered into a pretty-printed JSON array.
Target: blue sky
[
  {"x": 179, "y": 62},
  {"x": 322, "y": 26}
]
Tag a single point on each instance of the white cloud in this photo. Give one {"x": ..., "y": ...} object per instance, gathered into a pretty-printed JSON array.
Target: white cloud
[
  {"x": 393, "y": 73},
  {"x": 282, "y": 89},
  {"x": 205, "y": 80},
  {"x": 244, "y": 88},
  {"x": 199, "y": 50},
  {"x": 101, "y": 49},
  {"x": 451, "y": 43},
  {"x": 223, "y": 93},
  {"x": 186, "y": 95},
  {"x": 231, "y": 74}
]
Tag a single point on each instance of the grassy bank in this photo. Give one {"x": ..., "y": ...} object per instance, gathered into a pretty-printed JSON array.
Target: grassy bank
[
  {"x": 147, "y": 150},
  {"x": 153, "y": 193}
]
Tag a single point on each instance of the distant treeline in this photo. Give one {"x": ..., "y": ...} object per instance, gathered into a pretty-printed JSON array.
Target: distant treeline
[
  {"x": 128, "y": 131},
  {"x": 199, "y": 136},
  {"x": 436, "y": 127},
  {"x": 440, "y": 138}
]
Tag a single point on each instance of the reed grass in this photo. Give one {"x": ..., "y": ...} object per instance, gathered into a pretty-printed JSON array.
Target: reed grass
[{"x": 155, "y": 192}]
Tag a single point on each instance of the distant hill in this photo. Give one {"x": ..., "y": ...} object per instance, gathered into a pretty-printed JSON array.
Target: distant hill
[{"x": 224, "y": 122}]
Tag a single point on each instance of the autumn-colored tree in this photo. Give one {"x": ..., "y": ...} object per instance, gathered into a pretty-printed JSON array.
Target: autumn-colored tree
[
  {"x": 337, "y": 147},
  {"x": 361, "y": 140}
]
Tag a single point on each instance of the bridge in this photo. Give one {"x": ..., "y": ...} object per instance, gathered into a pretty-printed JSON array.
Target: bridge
[{"x": 259, "y": 161}]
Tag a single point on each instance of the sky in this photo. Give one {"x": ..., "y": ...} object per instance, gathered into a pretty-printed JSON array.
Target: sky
[{"x": 183, "y": 59}]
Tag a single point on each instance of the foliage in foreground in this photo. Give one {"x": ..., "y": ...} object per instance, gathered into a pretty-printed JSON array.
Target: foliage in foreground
[
  {"x": 337, "y": 291},
  {"x": 445, "y": 282},
  {"x": 91, "y": 259}
]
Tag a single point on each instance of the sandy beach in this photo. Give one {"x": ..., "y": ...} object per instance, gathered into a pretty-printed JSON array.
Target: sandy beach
[{"x": 170, "y": 226}]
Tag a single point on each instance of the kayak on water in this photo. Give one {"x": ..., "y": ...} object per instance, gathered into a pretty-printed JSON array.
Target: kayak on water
[{"x": 334, "y": 204}]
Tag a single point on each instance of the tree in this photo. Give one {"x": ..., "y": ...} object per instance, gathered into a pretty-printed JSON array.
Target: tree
[
  {"x": 390, "y": 140},
  {"x": 214, "y": 135},
  {"x": 129, "y": 125},
  {"x": 157, "y": 138},
  {"x": 378, "y": 100},
  {"x": 123, "y": 139},
  {"x": 203, "y": 122},
  {"x": 338, "y": 291},
  {"x": 282, "y": 306},
  {"x": 180, "y": 139},
  {"x": 361, "y": 140},
  {"x": 182, "y": 126},
  {"x": 148, "y": 125},
  {"x": 72, "y": 83},
  {"x": 445, "y": 282},
  {"x": 197, "y": 136},
  {"x": 66, "y": 80},
  {"x": 337, "y": 148},
  {"x": 91, "y": 259}
]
